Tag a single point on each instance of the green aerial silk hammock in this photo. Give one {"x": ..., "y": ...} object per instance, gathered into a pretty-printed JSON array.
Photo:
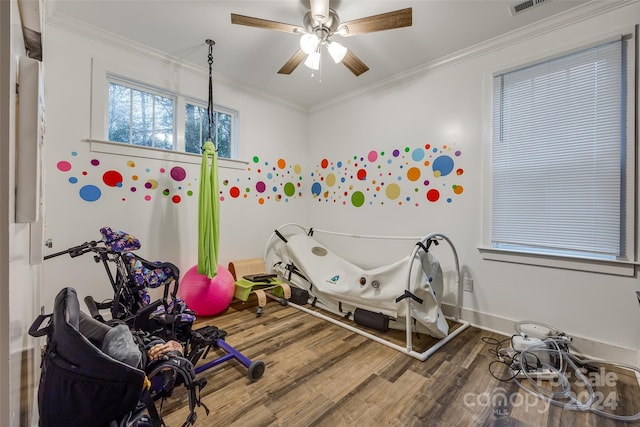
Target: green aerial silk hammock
[
  {"x": 208, "y": 212},
  {"x": 209, "y": 199}
]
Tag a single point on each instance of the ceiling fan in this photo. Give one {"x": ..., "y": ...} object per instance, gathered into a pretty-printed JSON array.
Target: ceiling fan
[{"x": 320, "y": 23}]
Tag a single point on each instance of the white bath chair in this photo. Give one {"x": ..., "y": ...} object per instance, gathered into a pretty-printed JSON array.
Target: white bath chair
[{"x": 403, "y": 295}]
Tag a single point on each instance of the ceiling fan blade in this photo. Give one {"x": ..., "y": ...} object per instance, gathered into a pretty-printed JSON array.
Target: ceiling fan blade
[
  {"x": 384, "y": 21},
  {"x": 354, "y": 64},
  {"x": 293, "y": 62},
  {"x": 265, "y": 23}
]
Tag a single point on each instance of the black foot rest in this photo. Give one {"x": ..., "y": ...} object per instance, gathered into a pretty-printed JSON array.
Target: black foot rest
[{"x": 210, "y": 334}]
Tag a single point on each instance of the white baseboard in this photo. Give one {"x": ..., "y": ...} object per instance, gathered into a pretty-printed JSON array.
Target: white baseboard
[{"x": 581, "y": 346}]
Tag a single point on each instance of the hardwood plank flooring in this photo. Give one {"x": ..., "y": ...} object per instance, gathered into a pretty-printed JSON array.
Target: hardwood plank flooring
[{"x": 319, "y": 374}]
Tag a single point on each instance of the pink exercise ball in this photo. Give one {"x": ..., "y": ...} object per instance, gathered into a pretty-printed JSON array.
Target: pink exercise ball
[{"x": 207, "y": 297}]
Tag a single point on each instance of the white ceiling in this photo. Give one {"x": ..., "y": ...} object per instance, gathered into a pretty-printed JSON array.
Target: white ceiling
[{"x": 251, "y": 57}]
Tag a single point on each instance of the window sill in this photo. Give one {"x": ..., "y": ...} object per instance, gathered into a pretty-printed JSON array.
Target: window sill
[
  {"x": 618, "y": 268},
  {"x": 99, "y": 146}
]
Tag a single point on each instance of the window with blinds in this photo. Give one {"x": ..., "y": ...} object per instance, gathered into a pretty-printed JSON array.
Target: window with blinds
[{"x": 559, "y": 155}]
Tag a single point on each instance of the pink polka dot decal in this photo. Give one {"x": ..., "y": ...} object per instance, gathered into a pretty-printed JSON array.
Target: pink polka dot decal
[{"x": 63, "y": 166}]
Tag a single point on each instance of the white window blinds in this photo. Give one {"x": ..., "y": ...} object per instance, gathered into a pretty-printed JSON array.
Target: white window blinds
[{"x": 558, "y": 155}]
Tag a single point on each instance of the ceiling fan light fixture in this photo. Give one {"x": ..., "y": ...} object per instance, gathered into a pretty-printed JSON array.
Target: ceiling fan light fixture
[
  {"x": 323, "y": 22},
  {"x": 313, "y": 60},
  {"x": 337, "y": 51},
  {"x": 309, "y": 43}
]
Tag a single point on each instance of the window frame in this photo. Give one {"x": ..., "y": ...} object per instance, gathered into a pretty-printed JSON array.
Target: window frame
[
  {"x": 129, "y": 84},
  {"x": 233, "y": 145},
  {"x": 102, "y": 74},
  {"x": 625, "y": 265}
]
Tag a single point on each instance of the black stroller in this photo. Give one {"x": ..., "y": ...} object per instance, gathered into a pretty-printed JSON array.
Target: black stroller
[
  {"x": 168, "y": 317},
  {"x": 96, "y": 375}
]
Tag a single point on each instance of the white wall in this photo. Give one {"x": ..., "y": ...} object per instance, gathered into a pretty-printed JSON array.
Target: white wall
[
  {"x": 448, "y": 104},
  {"x": 268, "y": 130},
  {"x": 19, "y": 280}
]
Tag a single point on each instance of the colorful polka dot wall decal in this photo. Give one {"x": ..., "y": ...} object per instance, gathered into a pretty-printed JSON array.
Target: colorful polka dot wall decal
[
  {"x": 442, "y": 166},
  {"x": 96, "y": 181},
  {"x": 90, "y": 193},
  {"x": 433, "y": 195},
  {"x": 234, "y": 192},
  {"x": 64, "y": 166},
  {"x": 417, "y": 155},
  {"x": 392, "y": 191},
  {"x": 178, "y": 173},
  {"x": 272, "y": 180},
  {"x": 289, "y": 189},
  {"x": 112, "y": 178},
  {"x": 406, "y": 176},
  {"x": 316, "y": 189},
  {"x": 357, "y": 199},
  {"x": 331, "y": 180},
  {"x": 413, "y": 174},
  {"x": 374, "y": 178}
]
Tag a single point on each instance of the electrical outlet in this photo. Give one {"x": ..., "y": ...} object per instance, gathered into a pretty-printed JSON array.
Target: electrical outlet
[{"x": 467, "y": 284}]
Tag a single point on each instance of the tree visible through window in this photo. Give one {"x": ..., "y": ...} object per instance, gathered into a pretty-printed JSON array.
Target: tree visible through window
[
  {"x": 140, "y": 118},
  {"x": 147, "y": 118},
  {"x": 197, "y": 130}
]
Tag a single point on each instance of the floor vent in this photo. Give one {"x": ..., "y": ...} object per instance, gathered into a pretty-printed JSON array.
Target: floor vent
[{"x": 526, "y": 5}]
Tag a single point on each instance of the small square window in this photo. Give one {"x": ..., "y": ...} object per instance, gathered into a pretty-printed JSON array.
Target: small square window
[
  {"x": 197, "y": 129},
  {"x": 139, "y": 117}
]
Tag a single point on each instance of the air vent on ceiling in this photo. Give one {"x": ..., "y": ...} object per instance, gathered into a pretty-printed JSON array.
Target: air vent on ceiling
[{"x": 526, "y": 5}]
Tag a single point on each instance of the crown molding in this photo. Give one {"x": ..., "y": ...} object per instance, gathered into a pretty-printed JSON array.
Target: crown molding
[
  {"x": 589, "y": 10},
  {"x": 581, "y": 13},
  {"x": 82, "y": 29}
]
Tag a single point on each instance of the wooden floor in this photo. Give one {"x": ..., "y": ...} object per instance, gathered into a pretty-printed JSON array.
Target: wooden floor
[{"x": 319, "y": 374}]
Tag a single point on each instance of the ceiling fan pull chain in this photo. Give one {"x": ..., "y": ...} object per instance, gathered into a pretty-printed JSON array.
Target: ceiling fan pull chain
[{"x": 320, "y": 73}]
